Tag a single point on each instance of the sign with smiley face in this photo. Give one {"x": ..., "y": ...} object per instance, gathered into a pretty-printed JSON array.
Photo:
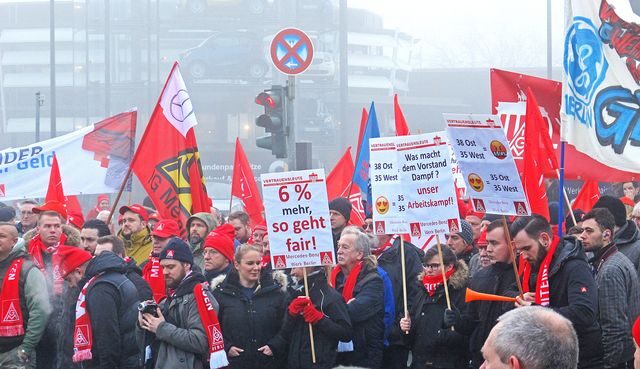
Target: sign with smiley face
[{"x": 486, "y": 163}]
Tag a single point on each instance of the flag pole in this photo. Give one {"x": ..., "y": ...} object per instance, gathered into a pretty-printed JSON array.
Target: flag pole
[
  {"x": 306, "y": 293},
  {"x": 115, "y": 202},
  {"x": 404, "y": 278},
  {"x": 564, "y": 190},
  {"x": 561, "y": 184}
]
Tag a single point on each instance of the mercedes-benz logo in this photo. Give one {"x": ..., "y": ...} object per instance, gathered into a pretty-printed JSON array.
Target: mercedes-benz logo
[{"x": 181, "y": 107}]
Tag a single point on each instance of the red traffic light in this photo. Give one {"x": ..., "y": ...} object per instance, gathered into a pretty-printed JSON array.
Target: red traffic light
[{"x": 267, "y": 100}]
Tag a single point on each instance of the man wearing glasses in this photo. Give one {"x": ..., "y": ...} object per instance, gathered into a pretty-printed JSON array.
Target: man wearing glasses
[{"x": 28, "y": 219}]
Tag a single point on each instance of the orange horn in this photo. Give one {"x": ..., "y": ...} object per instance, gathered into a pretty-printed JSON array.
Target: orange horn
[{"x": 474, "y": 296}]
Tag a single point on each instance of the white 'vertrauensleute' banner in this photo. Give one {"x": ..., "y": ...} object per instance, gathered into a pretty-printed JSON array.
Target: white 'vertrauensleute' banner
[
  {"x": 601, "y": 77},
  {"x": 92, "y": 160}
]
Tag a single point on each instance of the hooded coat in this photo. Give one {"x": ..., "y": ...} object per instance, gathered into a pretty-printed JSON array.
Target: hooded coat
[
  {"x": 433, "y": 345},
  {"x": 196, "y": 248},
  {"x": 112, "y": 305},
  {"x": 134, "y": 274},
  {"x": 334, "y": 327},
  {"x": 627, "y": 240},
  {"x": 138, "y": 246},
  {"x": 367, "y": 317},
  {"x": 250, "y": 323}
]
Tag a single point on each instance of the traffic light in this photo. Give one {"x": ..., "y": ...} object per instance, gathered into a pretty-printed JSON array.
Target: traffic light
[{"x": 274, "y": 120}]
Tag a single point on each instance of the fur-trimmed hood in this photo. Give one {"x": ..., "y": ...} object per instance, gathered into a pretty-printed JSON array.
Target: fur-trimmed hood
[
  {"x": 459, "y": 279},
  {"x": 277, "y": 276},
  {"x": 73, "y": 236}
]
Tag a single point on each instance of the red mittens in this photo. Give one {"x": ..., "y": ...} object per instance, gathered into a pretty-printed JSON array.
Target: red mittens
[
  {"x": 311, "y": 314},
  {"x": 297, "y": 305}
]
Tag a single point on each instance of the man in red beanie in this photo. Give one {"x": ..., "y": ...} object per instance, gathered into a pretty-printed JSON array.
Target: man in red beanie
[
  {"x": 152, "y": 270},
  {"x": 258, "y": 233},
  {"x": 218, "y": 251}
]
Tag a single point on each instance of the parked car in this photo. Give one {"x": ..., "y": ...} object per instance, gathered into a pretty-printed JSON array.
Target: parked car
[{"x": 237, "y": 54}]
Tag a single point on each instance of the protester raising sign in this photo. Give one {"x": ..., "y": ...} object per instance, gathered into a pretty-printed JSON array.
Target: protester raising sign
[
  {"x": 483, "y": 154},
  {"x": 412, "y": 185},
  {"x": 297, "y": 212}
]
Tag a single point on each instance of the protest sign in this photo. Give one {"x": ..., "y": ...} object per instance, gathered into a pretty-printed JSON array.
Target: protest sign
[
  {"x": 94, "y": 159},
  {"x": 483, "y": 154},
  {"x": 297, "y": 212},
  {"x": 412, "y": 184}
]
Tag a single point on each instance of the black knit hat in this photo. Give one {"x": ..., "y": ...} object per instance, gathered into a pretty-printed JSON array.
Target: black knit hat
[
  {"x": 615, "y": 206},
  {"x": 342, "y": 205},
  {"x": 7, "y": 214},
  {"x": 568, "y": 221},
  {"x": 177, "y": 249}
]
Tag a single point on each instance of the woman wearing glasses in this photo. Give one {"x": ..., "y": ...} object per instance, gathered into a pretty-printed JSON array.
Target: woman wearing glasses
[{"x": 433, "y": 345}]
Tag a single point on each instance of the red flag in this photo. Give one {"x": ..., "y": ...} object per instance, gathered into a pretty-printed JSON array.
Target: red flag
[
  {"x": 339, "y": 184},
  {"x": 167, "y": 161},
  {"x": 547, "y": 154},
  {"x": 363, "y": 125},
  {"x": 243, "y": 186},
  {"x": 401, "y": 124},
  {"x": 55, "y": 192},
  {"x": 534, "y": 163},
  {"x": 587, "y": 197}
]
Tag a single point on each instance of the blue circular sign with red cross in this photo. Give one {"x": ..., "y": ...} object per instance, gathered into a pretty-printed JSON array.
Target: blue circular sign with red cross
[{"x": 291, "y": 51}]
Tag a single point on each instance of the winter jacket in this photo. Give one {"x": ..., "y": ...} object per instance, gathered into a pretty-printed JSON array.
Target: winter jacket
[
  {"x": 196, "y": 248},
  {"x": 34, "y": 302},
  {"x": 250, "y": 323},
  {"x": 619, "y": 304},
  {"x": 367, "y": 313},
  {"x": 138, "y": 246},
  {"x": 433, "y": 345},
  {"x": 390, "y": 262},
  {"x": 479, "y": 317},
  {"x": 134, "y": 274},
  {"x": 66, "y": 326},
  {"x": 573, "y": 294},
  {"x": 112, "y": 305},
  {"x": 213, "y": 274},
  {"x": 181, "y": 341},
  {"x": 627, "y": 239},
  {"x": 334, "y": 327}
]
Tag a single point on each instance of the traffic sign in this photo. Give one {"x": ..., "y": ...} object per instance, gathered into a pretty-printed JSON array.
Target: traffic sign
[{"x": 291, "y": 51}]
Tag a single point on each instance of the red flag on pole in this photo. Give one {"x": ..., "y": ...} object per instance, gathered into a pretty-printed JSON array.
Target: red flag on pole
[
  {"x": 587, "y": 197},
  {"x": 534, "y": 159},
  {"x": 338, "y": 183},
  {"x": 401, "y": 124},
  {"x": 546, "y": 151},
  {"x": 244, "y": 187},
  {"x": 363, "y": 125},
  {"x": 167, "y": 161},
  {"x": 55, "y": 192}
]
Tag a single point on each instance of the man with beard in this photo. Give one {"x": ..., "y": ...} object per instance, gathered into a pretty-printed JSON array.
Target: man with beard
[
  {"x": 557, "y": 275},
  {"x": 199, "y": 225},
  {"x": 90, "y": 232},
  {"x": 185, "y": 324},
  {"x": 165, "y": 231},
  {"x": 135, "y": 233},
  {"x": 240, "y": 222}
]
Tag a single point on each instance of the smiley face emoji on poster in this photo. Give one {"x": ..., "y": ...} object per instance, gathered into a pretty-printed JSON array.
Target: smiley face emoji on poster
[
  {"x": 382, "y": 205},
  {"x": 475, "y": 182},
  {"x": 498, "y": 149}
]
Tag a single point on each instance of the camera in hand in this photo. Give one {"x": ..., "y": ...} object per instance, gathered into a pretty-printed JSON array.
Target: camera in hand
[{"x": 148, "y": 307}]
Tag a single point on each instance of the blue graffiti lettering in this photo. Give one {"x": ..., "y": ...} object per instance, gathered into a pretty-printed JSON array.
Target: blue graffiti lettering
[
  {"x": 617, "y": 111},
  {"x": 575, "y": 107}
]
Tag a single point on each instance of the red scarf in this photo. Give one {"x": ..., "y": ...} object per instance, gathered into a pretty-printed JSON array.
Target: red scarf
[
  {"x": 432, "y": 283},
  {"x": 12, "y": 324},
  {"x": 377, "y": 252},
  {"x": 217, "y": 355},
  {"x": 82, "y": 335},
  {"x": 542, "y": 283},
  {"x": 350, "y": 283},
  {"x": 36, "y": 248},
  {"x": 152, "y": 273}
]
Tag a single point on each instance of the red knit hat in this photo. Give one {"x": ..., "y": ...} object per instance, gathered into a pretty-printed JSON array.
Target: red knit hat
[
  {"x": 262, "y": 226},
  {"x": 67, "y": 258},
  {"x": 166, "y": 228},
  {"x": 53, "y": 205},
  {"x": 221, "y": 239}
]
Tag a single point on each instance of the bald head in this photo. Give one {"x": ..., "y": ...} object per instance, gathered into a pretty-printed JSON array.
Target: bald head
[{"x": 8, "y": 239}]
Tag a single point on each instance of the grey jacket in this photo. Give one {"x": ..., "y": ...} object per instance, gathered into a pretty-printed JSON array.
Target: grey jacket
[
  {"x": 627, "y": 240},
  {"x": 181, "y": 341},
  {"x": 619, "y": 302}
]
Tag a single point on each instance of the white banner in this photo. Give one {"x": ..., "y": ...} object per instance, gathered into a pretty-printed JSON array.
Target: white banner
[
  {"x": 92, "y": 160},
  {"x": 297, "y": 213},
  {"x": 483, "y": 154},
  {"x": 601, "y": 78},
  {"x": 412, "y": 185}
]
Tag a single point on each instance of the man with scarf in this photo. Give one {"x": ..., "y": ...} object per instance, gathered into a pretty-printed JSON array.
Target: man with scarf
[
  {"x": 24, "y": 302},
  {"x": 218, "y": 251},
  {"x": 556, "y": 275},
  {"x": 618, "y": 288},
  {"x": 357, "y": 279},
  {"x": 396, "y": 353},
  {"x": 152, "y": 272},
  {"x": 186, "y": 327},
  {"x": 105, "y": 311}
]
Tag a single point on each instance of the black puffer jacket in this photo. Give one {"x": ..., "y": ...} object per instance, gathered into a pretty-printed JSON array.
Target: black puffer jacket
[
  {"x": 433, "y": 345},
  {"x": 480, "y": 316},
  {"x": 134, "y": 274},
  {"x": 334, "y": 327},
  {"x": 112, "y": 302},
  {"x": 249, "y": 324},
  {"x": 390, "y": 262},
  {"x": 367, "y": 317}
]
